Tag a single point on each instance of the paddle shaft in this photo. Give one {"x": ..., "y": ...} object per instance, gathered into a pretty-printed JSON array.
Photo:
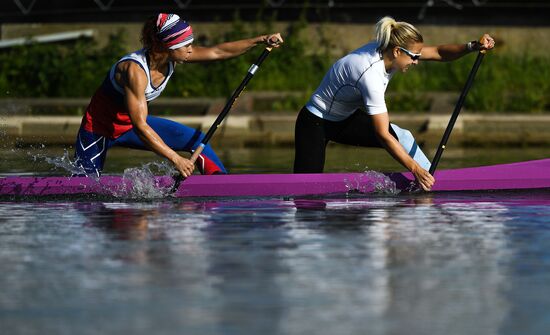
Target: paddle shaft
[
  {"x": 456, "y": 112},
  {"x": 229, "y": 104},
  {"x": 225, "y": 111}
]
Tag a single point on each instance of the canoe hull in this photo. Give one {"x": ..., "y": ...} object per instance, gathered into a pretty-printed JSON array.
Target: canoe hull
[{"x": 522, "y": 175}]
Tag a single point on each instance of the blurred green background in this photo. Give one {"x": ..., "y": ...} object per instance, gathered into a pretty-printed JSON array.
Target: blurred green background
[{"x": 513, "y": 78}]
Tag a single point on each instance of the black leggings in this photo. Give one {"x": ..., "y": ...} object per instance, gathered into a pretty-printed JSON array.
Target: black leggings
[{"x": 312, "y": 135}]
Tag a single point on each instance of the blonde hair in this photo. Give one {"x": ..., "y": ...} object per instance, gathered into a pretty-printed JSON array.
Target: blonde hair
[{"x": 390, "y": 33}]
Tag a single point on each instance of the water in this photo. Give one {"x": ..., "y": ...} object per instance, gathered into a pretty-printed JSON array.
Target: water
[
  {"x": 474, "y": 263},
  {"x": 53, "y": 160},
  {"x": 444, "y": 263}
]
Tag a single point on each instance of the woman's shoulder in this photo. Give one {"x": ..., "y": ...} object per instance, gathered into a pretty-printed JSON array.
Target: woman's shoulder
[
  {"x": 364, "y": 57},
  {"x": 130, "y": 67},
  {"x": 133, "y": 59},
  {"x": 138, "y": 55},
  {"x": 369, "y": 49}
]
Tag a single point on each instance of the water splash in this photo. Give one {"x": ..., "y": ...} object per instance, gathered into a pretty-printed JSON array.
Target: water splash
[
  {"x": 372, "y": 182},
  {"x": 144, "y": 182},
  {"x": 63, "y": 162}
]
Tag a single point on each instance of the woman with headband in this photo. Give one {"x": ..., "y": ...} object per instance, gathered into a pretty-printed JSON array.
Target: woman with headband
[
  {"x": 349, "y": 107},
  {"x": 118, "y": 116}
]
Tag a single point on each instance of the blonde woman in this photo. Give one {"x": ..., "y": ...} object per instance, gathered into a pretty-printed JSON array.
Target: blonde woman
[{"x": 348, "y": 106}]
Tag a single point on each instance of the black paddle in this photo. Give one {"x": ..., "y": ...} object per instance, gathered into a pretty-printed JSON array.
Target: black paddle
[
  {"x": 458, "y": 107},
  {"x": 224, "y": 112}
]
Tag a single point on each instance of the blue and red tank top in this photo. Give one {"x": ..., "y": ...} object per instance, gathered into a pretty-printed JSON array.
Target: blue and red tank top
[{"x": 107, "y": 114}]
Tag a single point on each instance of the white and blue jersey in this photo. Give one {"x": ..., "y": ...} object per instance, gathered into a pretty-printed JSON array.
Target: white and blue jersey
[{"x": 356, "y": 81}]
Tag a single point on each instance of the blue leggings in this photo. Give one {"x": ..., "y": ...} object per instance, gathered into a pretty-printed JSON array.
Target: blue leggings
[{"x": 91, "y": 149}]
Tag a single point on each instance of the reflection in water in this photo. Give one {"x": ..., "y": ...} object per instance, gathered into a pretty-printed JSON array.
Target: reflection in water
[
  {"x": 247, "y": 265},
  {"x": 121, "y": 221},
  {"x": 117, "y": 219},
  {"x": 418, "y": 264},
  {"x": 448, "y": 266},
  {"x": 407, "y": 264}
]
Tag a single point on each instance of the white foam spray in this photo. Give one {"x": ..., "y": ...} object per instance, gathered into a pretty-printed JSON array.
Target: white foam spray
[{"x": 372, "y": 182}]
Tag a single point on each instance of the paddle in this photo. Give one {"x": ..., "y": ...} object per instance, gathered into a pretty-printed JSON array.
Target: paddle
[
  {"x": 224, "y": 112},
  {"x": 456, "y": 111}
]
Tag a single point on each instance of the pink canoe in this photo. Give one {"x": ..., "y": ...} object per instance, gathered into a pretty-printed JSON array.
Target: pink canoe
[{"x": 523, "y": 175}]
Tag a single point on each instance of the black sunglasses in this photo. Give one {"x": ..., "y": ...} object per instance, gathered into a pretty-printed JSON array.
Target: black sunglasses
[{"x": 411, "y": 54}]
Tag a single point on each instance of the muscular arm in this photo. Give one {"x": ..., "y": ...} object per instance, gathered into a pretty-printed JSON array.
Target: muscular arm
[
  {"x": 381, "y": 126},
  {"x": 450, "y": 52},
  {"x": 444, "y": 53},
  {"x": 134, "y": 81},
  {"x": 231, "y": 49}
]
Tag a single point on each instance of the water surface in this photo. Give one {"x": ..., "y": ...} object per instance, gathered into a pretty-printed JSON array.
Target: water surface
[
  {"x": 447, "y": 263},
  {"x": 52, "y": 160},
  {"x": 443, "y": 263}
]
